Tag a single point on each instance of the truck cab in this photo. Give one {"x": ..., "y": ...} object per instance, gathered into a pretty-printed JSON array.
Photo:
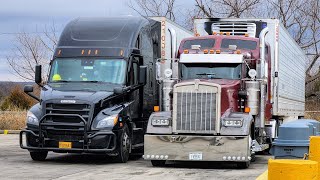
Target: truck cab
[{"x": 92, "y": 100}]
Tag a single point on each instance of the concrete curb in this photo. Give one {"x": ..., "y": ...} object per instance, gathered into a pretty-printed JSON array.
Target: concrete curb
[{"x": 9, "y": 131}]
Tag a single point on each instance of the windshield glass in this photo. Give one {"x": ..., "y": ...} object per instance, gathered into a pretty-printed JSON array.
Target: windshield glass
[
  {"x": 88, "y": 70},
  {"x": 241, "y": 44},
  {"x": 210, "y": 71}
]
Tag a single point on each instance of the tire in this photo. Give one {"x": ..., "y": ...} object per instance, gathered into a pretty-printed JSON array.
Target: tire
[
  {"x": 124, "y": 147},
  {"x": 39, "y": 155},
  {"x": 158, "y": 163},
  {"x": 243, "y": 165}
]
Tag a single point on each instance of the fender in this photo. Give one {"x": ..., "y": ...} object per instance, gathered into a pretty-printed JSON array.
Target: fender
[{"x": 244, "y": 130}]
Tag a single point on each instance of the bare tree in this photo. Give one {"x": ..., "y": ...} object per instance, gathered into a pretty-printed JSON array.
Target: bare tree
[
  {"x": 302, "y": 19},
  {"x": 31, "y": 49},
  {"x": 225, "y": 8},
  {"x": 154, "y": 8}
]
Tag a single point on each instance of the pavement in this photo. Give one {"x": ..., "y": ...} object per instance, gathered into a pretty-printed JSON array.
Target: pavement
[{"x": 16, "y": 163}]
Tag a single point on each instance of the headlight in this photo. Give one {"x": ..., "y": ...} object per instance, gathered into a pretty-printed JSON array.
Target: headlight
[
  {"x": 32, "y": 119},
  {"x": 160, "y": 122},
  {"x": 233, "y": 123},
  {"x": 106, "y": 122}
]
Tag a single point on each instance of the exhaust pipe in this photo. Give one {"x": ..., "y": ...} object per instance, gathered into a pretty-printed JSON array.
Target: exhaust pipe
[
  {"x": 263, "y": 76},
  {"x": 167, "y": 84}
]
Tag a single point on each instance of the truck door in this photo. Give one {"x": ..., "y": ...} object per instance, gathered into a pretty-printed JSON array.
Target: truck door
[{"x": 133, "y": 82}]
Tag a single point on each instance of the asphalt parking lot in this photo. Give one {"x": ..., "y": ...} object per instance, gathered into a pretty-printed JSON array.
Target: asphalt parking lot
[{"x": 16, "y": 163}]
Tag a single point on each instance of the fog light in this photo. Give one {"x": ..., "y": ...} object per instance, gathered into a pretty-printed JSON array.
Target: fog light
[
  {"x": 229, "y": 157},
  {"x": 161, "y": 157},
  {"x": 166, "y": 156},
  {"x": 143, "y": 156},
  {"x": 243, "y": 158},
  {"x": 148, "y": 156},
  {"x": 157, "y": 156},
  {"x": 152, "y": 156},
  {"x": 224, "y": 158},
  {"x": 238, "y": 158}
]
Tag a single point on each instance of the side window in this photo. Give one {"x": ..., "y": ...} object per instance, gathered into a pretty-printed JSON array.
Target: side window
[{"x": 133, "y": 74}]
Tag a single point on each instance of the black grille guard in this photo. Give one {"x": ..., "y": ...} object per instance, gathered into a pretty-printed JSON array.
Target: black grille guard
[{"x": 86, "y": 137}]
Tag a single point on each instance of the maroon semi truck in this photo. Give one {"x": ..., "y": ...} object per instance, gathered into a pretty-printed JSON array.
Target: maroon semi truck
[{"x": 225, "y": 94}]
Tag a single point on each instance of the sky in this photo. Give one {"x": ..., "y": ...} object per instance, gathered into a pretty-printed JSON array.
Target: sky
[{"x": 34, "y": 15}]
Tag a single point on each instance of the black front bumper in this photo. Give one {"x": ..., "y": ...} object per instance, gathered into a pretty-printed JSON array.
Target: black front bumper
[{"x": 82, "y": 141}]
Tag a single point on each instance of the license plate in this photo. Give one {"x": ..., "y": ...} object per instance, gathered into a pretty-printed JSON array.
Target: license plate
[
  {"x": 195, "y": 156},
  {"x": 65, "y": 145}
]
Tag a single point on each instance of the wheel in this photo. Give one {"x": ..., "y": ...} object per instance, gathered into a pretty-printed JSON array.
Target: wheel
[
  {"x": 158, "y": 163},
  {"x": 39, "y": 155},
  {"x": 124, "y": 146},
  {"x": 253, "y": 157},
  {"x": 243, "y": 165}
]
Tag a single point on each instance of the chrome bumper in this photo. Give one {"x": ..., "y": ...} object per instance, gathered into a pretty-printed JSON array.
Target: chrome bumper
[{"x": 211, "y": 148}]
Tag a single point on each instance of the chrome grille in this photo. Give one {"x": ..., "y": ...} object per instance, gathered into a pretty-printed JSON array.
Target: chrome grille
[{"x": 196, "y": 112}]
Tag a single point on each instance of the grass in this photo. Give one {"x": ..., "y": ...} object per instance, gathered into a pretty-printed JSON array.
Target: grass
[{"x": 12, "y": 120}]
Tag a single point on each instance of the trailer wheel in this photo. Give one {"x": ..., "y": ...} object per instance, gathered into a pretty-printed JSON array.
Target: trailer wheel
[
  {"x": 158, "y": 163},
  {"x": 243, "y": 165},
  {"x": 124, "y": 145},
  {"x": 39, "y": 155}
]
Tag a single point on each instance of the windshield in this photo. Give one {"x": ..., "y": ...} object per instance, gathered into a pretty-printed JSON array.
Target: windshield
[
  {"x": 210, "y": 71},
  {"x": 88, "y": 70}
]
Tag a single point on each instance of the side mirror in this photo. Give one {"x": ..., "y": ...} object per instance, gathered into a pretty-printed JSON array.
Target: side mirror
[
  {"x": 28, "y": 89},
  {"x": 143, "y": 75},
  {"x": 118, "y": 90},
  {"x": 37, "y": 77}
]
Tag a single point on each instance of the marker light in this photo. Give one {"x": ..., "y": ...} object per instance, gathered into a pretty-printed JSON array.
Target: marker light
[
  {"x": 221, "y": 33},
  {"x": 214, "y": 33},
  {"x": 156, "y": 108},
  {"x": 211, "y": 51},
  {"x": 246, "y": 35},
  {"x": 238, "y": 51},
  {"x": 228, "y": 33},
  {"x": 246, "y": 109},
  {"x": 205, "y": 51},
  {"x": 59, "y": 52},
  {"x": 186, "y": 51},
  {"x": 82, "y": 52},
  {"x": 96, "y": 52},
  {"x": 218, "y": 51},
  {"x": 197, "y": 34}
]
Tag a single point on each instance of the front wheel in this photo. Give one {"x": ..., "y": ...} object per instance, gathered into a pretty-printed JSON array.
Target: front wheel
[
  {"x": 39, "y": 155},
  {"x": 124, "y": 145}
]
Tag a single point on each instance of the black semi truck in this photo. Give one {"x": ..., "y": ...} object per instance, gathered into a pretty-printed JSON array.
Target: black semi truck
[{"x": 101, "y": 87}]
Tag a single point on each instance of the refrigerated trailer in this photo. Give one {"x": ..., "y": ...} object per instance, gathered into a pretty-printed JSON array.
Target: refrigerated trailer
[
  {"x": 237, "y": 80},
  {"x": 101, "y": 87}
]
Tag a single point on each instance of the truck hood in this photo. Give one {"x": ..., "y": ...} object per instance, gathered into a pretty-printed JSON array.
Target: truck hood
[
  {"x": 224, "y": 83},
  {"x": 81, "y": 95},
  {"x": 229, "y": 92}
]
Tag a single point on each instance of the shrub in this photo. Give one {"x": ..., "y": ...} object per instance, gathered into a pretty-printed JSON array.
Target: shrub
[{"x": 17, "y": 99}]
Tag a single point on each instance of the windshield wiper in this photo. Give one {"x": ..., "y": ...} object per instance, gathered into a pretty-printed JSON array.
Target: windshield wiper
[
  {"x": 60, "y": 81},
  {"x": 206, "y": 74}
]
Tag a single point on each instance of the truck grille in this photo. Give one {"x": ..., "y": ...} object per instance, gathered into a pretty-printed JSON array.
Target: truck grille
[
  {"x": 81, "y": 109},
  {"x": 196, "y": 112}
]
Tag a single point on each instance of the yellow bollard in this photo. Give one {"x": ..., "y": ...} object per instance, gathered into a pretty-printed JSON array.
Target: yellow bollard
[
  {"x": 314, "y": 150},
  {"x": 292, "y": 169},
  {"x": 5, "y": 132}
]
